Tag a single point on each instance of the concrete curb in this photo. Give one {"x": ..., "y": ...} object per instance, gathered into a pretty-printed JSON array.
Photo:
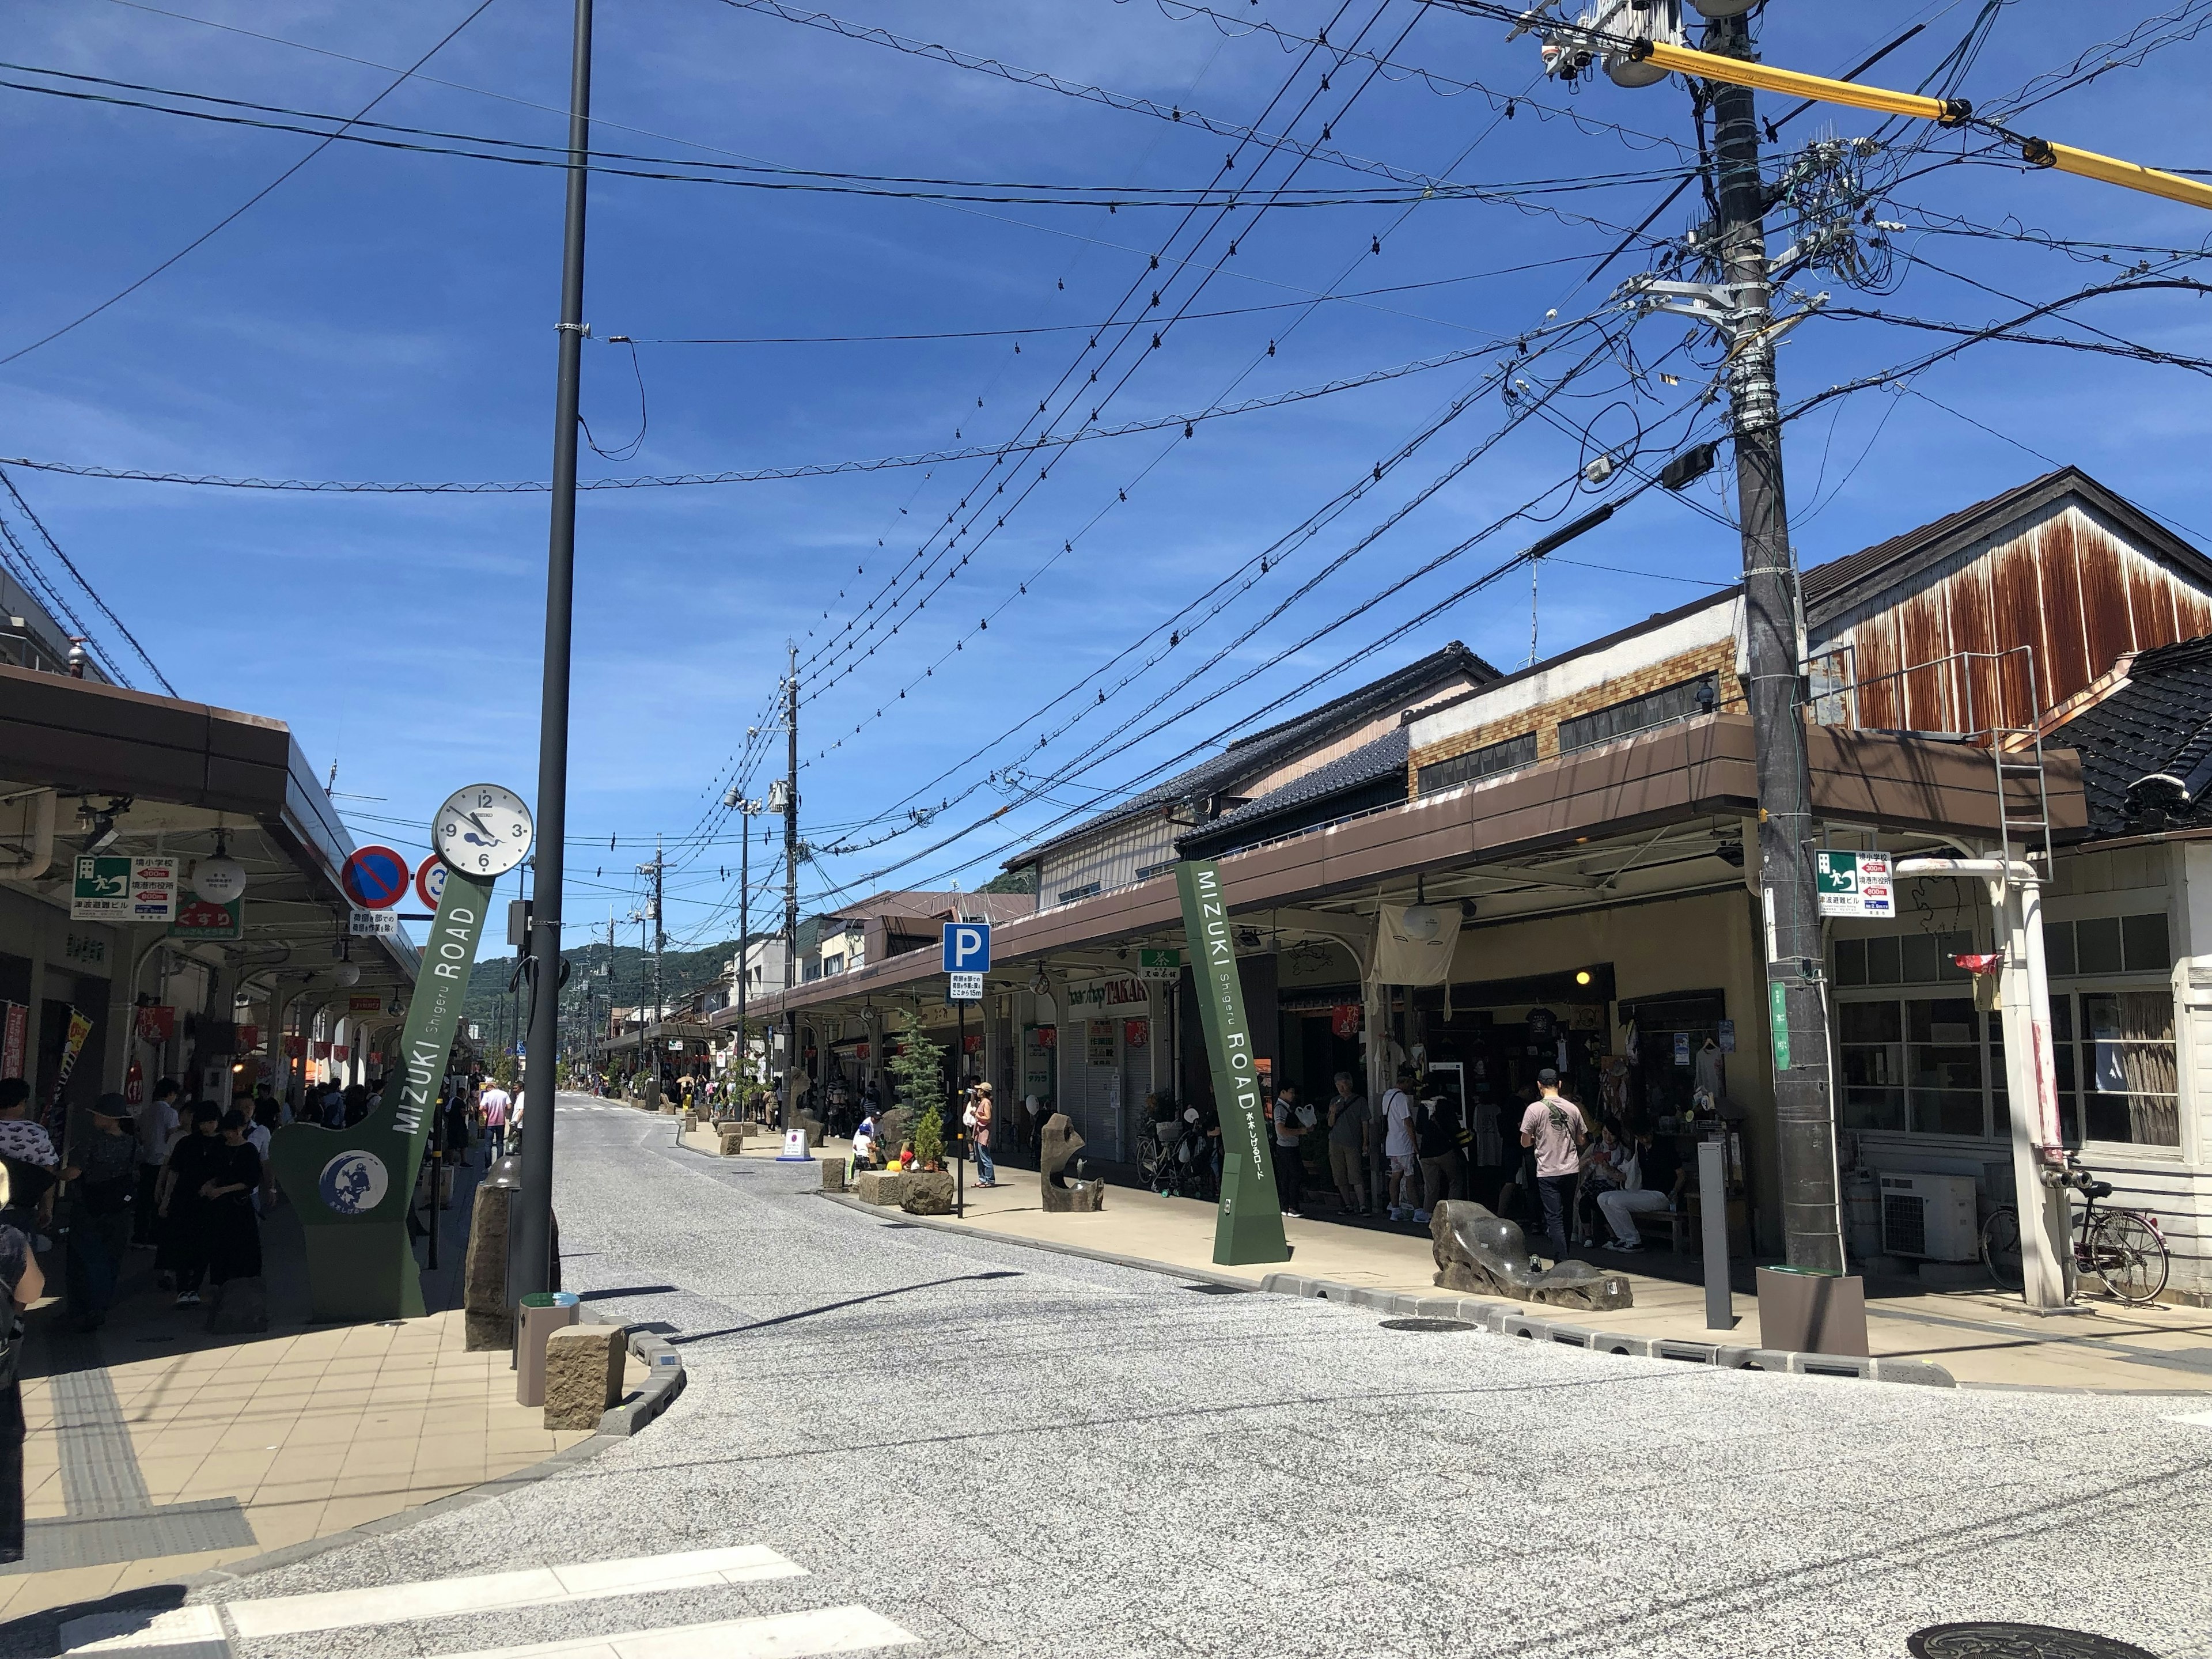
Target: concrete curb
[
  {"x": 1504, "y": 1320},
  {"x": 664, "y": 1379}
]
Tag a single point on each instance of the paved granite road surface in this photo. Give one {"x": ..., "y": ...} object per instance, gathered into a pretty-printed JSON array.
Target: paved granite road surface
[{"x": 1017, "y": 1453}]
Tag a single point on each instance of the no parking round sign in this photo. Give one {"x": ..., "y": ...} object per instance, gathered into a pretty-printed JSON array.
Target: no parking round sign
[{"x": 375, "y": 877}]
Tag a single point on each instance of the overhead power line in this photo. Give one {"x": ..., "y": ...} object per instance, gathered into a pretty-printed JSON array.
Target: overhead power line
[{"x": 243, "y": 207}]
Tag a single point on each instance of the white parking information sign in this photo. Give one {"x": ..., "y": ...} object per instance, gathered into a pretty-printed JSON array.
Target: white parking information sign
[
  {"x": 963, "y": 987},
  {"x": 1855, "y": 884}
]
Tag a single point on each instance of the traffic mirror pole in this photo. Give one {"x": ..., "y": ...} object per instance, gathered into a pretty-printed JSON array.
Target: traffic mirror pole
[{"x": 532, "y": 1267}]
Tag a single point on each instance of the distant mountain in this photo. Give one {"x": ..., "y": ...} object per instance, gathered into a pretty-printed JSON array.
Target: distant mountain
[{"x": 496, "y": 1011}]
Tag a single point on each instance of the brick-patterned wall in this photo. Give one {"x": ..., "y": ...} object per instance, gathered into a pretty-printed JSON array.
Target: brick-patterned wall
[{"x": 1717, "y": 658}]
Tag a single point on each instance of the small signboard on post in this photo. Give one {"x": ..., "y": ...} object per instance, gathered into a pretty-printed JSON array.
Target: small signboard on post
[
  {"x": 104, "y": 889},
  {"x": 373, "y": 924},
  {"x": 1159, "y": 965},
  {"x": 966, "y": 947},
  {"x": 1853, "y": 884},
  {"x": 963, "y": 987}
]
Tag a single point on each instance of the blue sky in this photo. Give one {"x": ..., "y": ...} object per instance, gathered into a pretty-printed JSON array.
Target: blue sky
[{"x": 386, "y": 315}]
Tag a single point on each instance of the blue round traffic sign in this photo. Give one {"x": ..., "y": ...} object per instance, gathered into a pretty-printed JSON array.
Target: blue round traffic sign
[{"x": 376, "y": 878}]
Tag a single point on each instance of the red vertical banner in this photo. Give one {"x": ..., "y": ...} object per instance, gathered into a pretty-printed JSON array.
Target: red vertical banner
[{"x": 15, "y": 1032}]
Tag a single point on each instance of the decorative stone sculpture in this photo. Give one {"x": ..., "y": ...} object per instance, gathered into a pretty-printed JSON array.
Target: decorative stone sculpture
[
  {"x": 583, "y": 1374},
  {"x": 1057, "y": 1144},
  {"x": 929, "y": 1192},
  {"x": 488, "y": 1322},
  {"x": 814, "y": 1125},
  {"x": 890, "y": 1132},
  {"x": 1483, "y": 1252}
]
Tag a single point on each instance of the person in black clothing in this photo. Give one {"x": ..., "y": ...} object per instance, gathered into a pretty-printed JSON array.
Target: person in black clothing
[
  {"x": 24, "y": 1284},
  {"x": 184, "y": 1206},
  {"x": 102, "y": 1173},
  {"x": 233, "y": 1170}
]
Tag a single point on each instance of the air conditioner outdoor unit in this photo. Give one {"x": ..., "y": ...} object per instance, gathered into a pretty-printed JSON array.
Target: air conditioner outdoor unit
[{"x": 1929, "y": 1216}]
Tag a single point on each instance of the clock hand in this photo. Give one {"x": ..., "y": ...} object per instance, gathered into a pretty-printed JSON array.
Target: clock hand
[{"x": 479, "y": 823}]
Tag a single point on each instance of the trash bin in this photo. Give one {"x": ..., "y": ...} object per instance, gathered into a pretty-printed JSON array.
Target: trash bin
[{"x": 541, "y": 1313}]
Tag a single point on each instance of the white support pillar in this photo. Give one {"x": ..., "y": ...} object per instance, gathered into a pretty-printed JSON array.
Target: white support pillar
[{"x": 2047, "y": 1247}]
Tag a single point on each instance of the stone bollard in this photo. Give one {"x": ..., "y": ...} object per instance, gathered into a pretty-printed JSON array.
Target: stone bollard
[
  {"x": 733, "y": 1142},
  {"x": 833, "y": 1175},
  {"x": 488, "y": 1322},
  {"x": 583, "y": 1374}
]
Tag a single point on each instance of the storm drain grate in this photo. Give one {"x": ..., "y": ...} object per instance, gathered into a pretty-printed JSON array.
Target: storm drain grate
[
  {"x": 1984, "y": 1640},
  {"x": 1430, "y": 1325},
  {"x": 1216, "y": 1290}
]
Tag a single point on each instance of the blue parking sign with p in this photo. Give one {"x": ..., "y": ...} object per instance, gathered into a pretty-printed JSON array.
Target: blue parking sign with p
[{"x": 966, "y": 947}]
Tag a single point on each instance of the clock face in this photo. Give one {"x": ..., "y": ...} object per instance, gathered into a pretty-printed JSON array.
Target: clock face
[{"x": 482, "y": 831}]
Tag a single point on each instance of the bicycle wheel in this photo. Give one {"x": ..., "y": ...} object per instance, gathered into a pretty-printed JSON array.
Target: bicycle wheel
[
  {"x": 1149, "y": 1160},
  {"x": 2127, "y": 1253},
  {"x": 2000, "y": 1248}
]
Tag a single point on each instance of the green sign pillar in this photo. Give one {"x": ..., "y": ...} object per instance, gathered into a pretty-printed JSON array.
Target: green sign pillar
[
  {"x": 352, "y": 1187},
  {"x": 1249, "y": 1227}
]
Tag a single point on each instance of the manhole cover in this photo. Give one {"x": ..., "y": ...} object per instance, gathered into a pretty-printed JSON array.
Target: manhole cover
[
  {"x": 1980, "y": 1640},
  {"x": 1426, "y": 1325}
]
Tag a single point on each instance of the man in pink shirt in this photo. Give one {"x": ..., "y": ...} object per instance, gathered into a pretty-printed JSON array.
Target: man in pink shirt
[
  {"x": 494, "y": 1103},
  {"x": 1553, "y": 1126}
]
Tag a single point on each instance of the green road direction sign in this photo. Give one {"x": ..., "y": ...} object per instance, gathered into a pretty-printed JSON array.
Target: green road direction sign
[
  {"x": 1778, "y": 1020},
  {"x": 351, "y": 1187},
  {"x": 1250, "y": 1226}
]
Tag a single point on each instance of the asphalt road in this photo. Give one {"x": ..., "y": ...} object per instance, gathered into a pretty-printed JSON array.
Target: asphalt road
[{"x": 1011, "y": 1452}]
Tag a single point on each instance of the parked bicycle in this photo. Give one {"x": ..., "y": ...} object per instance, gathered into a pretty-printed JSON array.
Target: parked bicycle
[{"x": 2122, "y": 1249}]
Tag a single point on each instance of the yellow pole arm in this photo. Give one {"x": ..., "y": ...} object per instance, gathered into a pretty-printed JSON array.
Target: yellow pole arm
[
  {"x": 1712, "y": 66},
  {"x": 1950, "y": 112}
]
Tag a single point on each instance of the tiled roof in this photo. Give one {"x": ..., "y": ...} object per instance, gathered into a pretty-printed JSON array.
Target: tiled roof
[
  {"x": 1378, "y": 762},
  {"x": 1257, "y": 752},
  {"x": 2160, "y": 720}
]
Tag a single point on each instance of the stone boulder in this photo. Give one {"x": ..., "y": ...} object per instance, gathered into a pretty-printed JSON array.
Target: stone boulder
[
  {"x": 1480, "y": 1252},
  {"x": 891, "y": 1131},
  {"x": 1057, "y": 1144},
  {"x": 881, "y": 1186},
  {"x": 488, "y": 1322},
  {"x": 815, "y": 1131},
  {"x": 238, "y": 1306},
  {"x": 583, "y": 1374},
  {"x": 929, "y": 1192}
]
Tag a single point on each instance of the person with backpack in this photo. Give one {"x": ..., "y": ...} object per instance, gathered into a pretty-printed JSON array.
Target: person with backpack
[{"x": 1552, "y": 1127}]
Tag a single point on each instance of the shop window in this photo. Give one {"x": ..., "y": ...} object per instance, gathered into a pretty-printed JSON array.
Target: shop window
[
  {"x": 1089, "y": 890},
  {"x": 1902, "y": 959},
  {"x": 1654, "y": 708},
  {"x": 1870, "y": 1041},
  {"x": 1480, "y": 763},
  {"x": 1943, "y": 1066},
  {"x": 2107, "y": 944},
  {"x": 2127, "y": 1068}
]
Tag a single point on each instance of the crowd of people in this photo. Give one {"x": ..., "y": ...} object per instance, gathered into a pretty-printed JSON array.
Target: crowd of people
[{"x": 1395, "y": 1158}]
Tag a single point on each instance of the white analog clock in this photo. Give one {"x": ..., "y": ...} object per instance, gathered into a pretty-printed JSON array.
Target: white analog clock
[{"x": 482, "y": 831}]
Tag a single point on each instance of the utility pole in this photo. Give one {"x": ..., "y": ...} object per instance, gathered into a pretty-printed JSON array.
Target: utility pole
[
  {"x": 745, "y": 810},
  {"x": 532, "y": 1268},
  {"x": 1773, "y": 619},
  {"x": 791, "y": 1061}
]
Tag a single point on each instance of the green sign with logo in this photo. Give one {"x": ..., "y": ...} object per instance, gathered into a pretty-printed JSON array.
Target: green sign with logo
[
  {"x": 1250, "y": 1226},
  {"x": 1778, "y": 1020},
  {"x": 351, "y": 1187}
]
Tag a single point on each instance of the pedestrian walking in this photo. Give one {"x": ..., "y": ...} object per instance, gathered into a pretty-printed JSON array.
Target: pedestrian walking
[
  {"x": 1290, "y": 1156},
  {"x": 186, "y": 1232},
  {"x": 981, "y": 1115},
  {"x": 101, "y": 1175},
  {"x": 156, "y": 1123},
  {"x": 233, "y": 1231},
  {"x": 493, "y": 1105},
  {"x": 20, "y": 1278},
  {"x": 1347, "y": 1145},
  {"x": 1404, "y": 1190},
  {"x": 1552, "y": 1126}
]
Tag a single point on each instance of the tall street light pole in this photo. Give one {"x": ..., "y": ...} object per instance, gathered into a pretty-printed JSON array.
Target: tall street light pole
[
  {"x": 791, "y": 1058},
  {"x": 532, "y": 1268}
]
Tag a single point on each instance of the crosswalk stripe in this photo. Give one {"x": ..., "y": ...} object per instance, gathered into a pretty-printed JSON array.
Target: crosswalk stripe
[
  {"x": 779, "y": 1636},
  {"x": 387, "y": 1604}
]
